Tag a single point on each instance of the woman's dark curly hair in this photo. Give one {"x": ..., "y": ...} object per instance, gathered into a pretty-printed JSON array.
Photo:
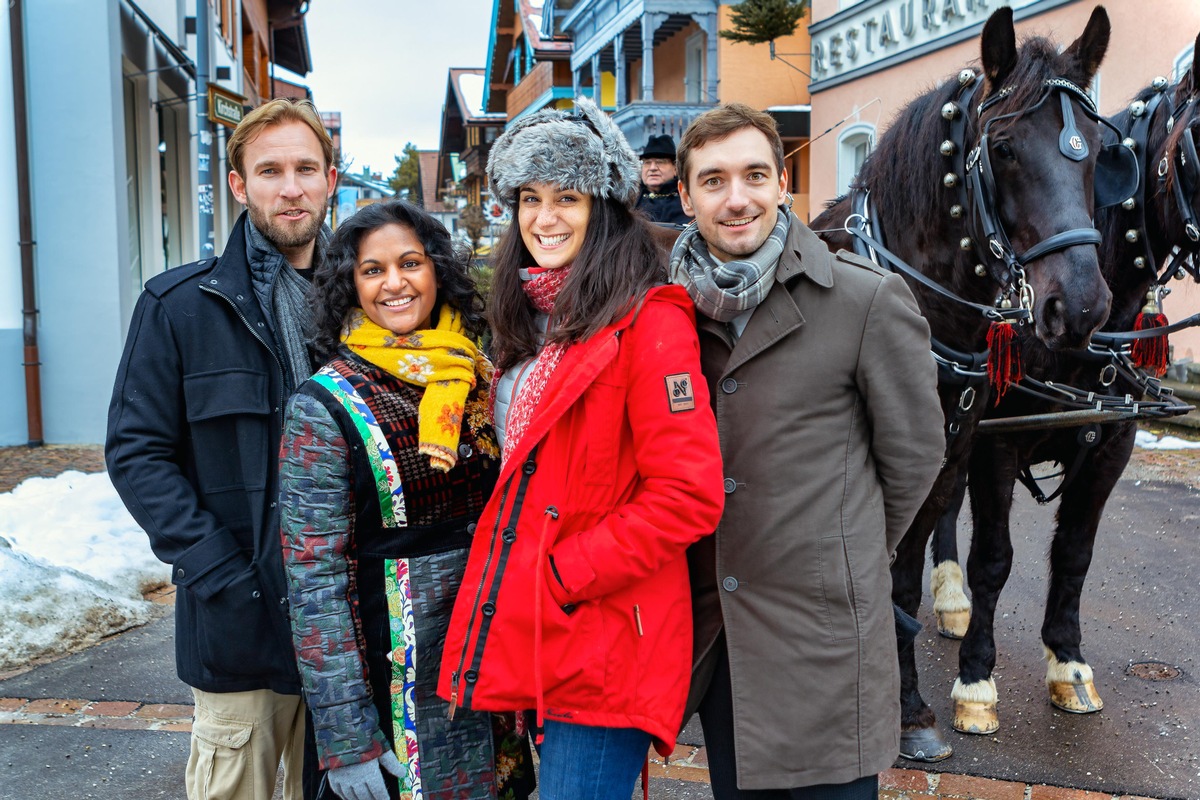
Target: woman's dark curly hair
[{"x": 333, "y": 294}]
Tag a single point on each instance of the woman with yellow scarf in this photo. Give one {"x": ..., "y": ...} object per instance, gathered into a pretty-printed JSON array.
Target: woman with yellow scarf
[{"x": 388, "y": 457}]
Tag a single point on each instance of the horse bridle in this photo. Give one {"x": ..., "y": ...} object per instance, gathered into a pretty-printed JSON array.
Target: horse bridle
[{"x": 980, "y": 193}]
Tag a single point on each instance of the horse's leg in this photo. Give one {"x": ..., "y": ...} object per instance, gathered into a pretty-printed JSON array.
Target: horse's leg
[
  {"x": 992, "y": 473},
  {"x": 1068, "y": 676},
  {"x": 950, "y": 603},
  {"x": 920, "y": 739}
]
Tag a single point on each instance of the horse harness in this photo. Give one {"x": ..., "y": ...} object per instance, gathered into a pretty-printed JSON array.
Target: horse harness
[{"x": 967, "y": 371}]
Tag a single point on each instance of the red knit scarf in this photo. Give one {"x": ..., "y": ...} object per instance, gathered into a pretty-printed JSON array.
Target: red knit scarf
[{"x": 542, "y": 290}]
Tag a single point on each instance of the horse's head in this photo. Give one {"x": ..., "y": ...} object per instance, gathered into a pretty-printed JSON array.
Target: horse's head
[{"x": 1031, "y": 177}]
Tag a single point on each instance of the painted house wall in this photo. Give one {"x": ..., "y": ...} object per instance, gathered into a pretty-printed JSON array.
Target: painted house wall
[
  {"x": 748, "y": 75},
  {"x": 79, "y": 209},
  {"x": 1142, "y": 46}
]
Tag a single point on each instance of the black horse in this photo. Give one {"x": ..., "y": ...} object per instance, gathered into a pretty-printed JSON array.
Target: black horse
[
  {"x": 984, "y": 187},
  {"x": 1147, "y": 238}
]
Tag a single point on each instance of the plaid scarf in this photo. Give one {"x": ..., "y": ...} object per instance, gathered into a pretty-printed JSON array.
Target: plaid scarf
[
  {"x": 541, "y": 287},
  {"x": 721, "y": 291},
  {"x": 441, "y": 359}
]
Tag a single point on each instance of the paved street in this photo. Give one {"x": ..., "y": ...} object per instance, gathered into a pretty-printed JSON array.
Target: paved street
[{"x": 111, "y": 721}]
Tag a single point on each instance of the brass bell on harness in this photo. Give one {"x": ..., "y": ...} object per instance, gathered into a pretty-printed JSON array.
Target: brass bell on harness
[
  {"x": 1137, "y": 108},
  {"x": 956, "y": 211},
  {"x": 966, "y": 77},
  {"x": 981, "y": 270},
  {"x": 947, "y": 148},
  {"x": 950, "y": 180},
  {"x": 1129, "y": 203},
  {"x": 1159, "y": 83},
  {"x": 965, "y": 243},
  {"x": 1130, "y": 143},
  {"x": 1132, "y": 235},
  {"x": 950, "y": 111},
  {"x": 1151, "y": 306},
  {"x": 1140, "y": 262}
]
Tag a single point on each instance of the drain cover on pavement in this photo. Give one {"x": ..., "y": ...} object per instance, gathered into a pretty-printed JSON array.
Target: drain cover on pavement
[{"x": 1153, "y": 671}]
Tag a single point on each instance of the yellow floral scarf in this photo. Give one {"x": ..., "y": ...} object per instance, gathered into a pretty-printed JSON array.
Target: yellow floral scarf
[{"x": 441, "y": 359}]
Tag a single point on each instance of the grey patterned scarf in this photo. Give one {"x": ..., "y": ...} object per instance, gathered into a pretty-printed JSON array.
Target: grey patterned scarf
[
  {"x": 281, "y": 293},
  {"x": 724, "y": 290}
]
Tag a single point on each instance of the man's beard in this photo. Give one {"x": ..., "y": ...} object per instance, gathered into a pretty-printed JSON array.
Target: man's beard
[{"x": 283, "y": 235}]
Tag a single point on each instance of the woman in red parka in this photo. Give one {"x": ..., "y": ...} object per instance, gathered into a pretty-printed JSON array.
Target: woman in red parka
[{"x": 575, "y": 601}]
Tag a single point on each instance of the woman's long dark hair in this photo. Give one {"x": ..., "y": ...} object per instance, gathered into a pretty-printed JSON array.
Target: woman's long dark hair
[
  {"x": 333, "y": 294},
  {"x": 617, "y": 264}
]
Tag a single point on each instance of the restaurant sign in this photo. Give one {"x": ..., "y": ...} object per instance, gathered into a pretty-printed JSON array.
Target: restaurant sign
[{"x": 872, "y": 34}]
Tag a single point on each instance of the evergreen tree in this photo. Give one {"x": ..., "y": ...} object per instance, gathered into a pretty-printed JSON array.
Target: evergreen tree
[
  {"x": 760, "y": 21},
  {"x": 408, "y": 175}
]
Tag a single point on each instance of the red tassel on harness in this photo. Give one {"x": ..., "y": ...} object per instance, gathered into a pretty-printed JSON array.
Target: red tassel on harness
[
  {"x": 1150, "y": 354},
  {"x": 1004, "y": 358}
]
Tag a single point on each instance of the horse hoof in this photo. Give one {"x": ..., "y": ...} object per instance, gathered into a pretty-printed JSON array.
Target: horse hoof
[
  {"x": 1071, "y": 685},
  {"x": 953, "y": 624},
  {"x": 924, "y": 744},
  {"x": 975, "y": 717},
  {"x": 1077, "y": 698}
]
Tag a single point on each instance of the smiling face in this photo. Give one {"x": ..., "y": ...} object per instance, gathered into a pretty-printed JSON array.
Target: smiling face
[
  {"x": 733, "y": 189},
  {"x": 396, "y": 280},
  {"x": 286, "y": 188},
  {"x": 553, "y": 222}
]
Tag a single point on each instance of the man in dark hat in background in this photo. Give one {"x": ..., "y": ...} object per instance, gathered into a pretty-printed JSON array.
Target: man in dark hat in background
[{"x": 660, "y": 186}]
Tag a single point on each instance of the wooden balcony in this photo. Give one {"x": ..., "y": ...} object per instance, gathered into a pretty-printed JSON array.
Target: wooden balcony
[{"x": 640, "y": 120}]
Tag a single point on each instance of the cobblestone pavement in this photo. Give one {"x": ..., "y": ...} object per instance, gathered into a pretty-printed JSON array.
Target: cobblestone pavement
[{"x": 685, "y": 775}]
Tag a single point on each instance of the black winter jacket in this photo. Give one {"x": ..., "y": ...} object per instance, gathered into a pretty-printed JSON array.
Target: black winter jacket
[
  {"x": 666, "y": 207},
  {"x": 193, "y": 450}
]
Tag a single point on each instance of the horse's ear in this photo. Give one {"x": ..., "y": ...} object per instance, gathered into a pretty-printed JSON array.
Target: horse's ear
[
  {"x": 1085, "y": 53},
  {"x": 1196, "y": 63},
  {"x": 999, "y": 46}
]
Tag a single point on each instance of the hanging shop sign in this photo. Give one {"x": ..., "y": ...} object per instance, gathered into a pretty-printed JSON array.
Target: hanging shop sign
[{"x": 224, "y": 106}]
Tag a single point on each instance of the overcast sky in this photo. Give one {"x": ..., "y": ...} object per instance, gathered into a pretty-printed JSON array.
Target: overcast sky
[{"x": 383, "y": 64}]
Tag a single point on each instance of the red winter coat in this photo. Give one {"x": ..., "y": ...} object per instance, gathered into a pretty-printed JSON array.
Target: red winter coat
[{"x": 576, "y": 598}]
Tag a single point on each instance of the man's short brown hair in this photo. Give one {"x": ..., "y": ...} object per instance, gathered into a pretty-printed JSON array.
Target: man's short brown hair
[
  {"x": 722, "y": 121},
  {"x": 276, "y": 112}
]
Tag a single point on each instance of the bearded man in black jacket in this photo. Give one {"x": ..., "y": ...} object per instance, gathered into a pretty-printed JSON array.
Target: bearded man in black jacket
[{"x": 214, "y": 349}]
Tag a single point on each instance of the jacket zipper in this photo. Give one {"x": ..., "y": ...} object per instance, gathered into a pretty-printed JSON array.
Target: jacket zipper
[
  {"x": 487, "y": 565},
  {"x": 261, "y": 341}
]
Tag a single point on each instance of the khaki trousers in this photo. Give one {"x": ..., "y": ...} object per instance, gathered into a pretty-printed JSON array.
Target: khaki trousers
[{"x": 238, "y": 741}]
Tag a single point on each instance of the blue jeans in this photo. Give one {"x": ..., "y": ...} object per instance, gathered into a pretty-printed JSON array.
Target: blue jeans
[{"x": 580, "y": 762}]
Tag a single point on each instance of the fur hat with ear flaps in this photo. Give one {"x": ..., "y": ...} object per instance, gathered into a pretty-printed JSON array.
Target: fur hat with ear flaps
[{"x": 581, "y": 150}]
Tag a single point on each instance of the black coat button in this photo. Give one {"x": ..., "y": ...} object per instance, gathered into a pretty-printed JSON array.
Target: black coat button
[
  {"x": 471, "y": 528},
  {"x": 179, "y": 572},
  {"x": 730, "y": 486},
  {"x": 470, "y": 676},
  {"x": 530, "y": 467},
  {"x": 489, "y": 609},
  {"x": 730, "y": 584},
  {"x": 509, "y": 535},
  {"x": 729, "y": 386},
  {"x": 464, "y": 450}
]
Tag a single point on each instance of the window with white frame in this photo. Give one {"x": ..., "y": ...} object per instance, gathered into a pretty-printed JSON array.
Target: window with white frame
[
  {"x": 1183, "y": 63},
  {"x": 854, "y": 145}
]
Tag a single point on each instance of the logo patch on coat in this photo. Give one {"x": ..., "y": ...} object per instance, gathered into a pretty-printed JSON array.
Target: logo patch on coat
[{"x": 680, "y": 394}]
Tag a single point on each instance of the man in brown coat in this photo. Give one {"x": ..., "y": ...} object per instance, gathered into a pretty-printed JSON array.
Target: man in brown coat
[{"x": 831, "y": 433}]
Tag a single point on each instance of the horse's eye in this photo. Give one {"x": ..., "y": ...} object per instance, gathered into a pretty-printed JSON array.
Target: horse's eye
[{"x": 1004, "y": 150}]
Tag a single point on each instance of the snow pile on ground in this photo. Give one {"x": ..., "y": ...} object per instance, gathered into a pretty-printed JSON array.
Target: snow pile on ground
[
  {"x": 1148, "y": 441},
  {"x": 73, "y": 566}
]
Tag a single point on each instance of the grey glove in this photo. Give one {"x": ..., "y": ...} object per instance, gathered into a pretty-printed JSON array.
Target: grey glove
[{"x": 363, "y": 781}]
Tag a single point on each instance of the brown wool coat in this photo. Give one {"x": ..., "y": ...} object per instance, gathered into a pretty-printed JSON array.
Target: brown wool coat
[{"x": 831, "y": 434}]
